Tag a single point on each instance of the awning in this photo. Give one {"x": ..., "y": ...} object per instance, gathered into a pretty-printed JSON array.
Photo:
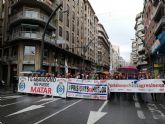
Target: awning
[
  {"x": 128, "y": 69},
  {"x": 159, "y": 43}
]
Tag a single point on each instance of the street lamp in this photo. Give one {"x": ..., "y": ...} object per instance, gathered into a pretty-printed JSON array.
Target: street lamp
[
  {"x": 43, "y": 36},
  {"x": 45, "y": 28},
  {"x": 85, "y": 47}
]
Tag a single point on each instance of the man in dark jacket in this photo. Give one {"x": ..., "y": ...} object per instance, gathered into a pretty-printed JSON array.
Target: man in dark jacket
[{"x": 15, "y": 83}]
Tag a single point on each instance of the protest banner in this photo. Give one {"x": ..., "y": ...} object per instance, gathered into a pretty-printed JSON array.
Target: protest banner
[
  {"x": 88, "y": 89},
  {"x": 137, "y": 86},
  {"x": 43, "y": 85}
]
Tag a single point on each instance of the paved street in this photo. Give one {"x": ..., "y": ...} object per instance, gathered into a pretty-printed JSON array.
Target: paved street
[{"x": 35, "y": 109}]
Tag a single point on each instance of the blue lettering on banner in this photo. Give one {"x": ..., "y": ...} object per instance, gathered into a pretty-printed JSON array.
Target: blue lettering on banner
[
  {"x": 22, "y": 86},
  {"x": 60, "y": 88}
]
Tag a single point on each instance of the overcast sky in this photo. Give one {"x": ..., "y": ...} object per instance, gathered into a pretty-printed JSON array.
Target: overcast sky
[{"x": 118, "y": 18}]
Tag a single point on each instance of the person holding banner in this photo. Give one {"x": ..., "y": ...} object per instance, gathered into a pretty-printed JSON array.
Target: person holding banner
[
  {"x": 15, "y": 83},
  {"x": 153, "y": 95}
]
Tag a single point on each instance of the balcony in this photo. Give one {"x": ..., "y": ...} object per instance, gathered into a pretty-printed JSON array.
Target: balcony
[
  {"x": 159, "y": 25},
  {"x": 33, "y": 35},
  {"x": 45, "y": 5},
  {"x": 155, "y": 2},
  {"x": 30, "y": 17},
  {"x": 141, "y": 51},
  {"x": 142, "y": 63},
  {"x": 157, "y": 10}
]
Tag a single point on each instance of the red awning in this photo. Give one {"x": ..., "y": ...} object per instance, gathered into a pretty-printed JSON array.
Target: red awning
[{"x": 128, "y": 69}]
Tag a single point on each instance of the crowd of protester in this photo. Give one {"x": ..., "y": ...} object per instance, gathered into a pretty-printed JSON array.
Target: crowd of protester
[{"x": 99, "y": 76}]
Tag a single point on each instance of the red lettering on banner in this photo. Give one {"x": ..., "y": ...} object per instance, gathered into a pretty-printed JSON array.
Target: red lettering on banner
[
  {"x": 33, "y": 89},
  {"x": 49, "y": 90},
  {"x": 43, "y": 90},
  {"x": 90, "y": 89}
]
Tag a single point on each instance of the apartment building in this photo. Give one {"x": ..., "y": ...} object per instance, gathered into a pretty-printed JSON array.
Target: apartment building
[
  {"x": 1, "y": 23},
  {"x": 134, "y": 53},
  {"x": 103, "y": 48},
  {"x": 154, "y": 34},
  {"x": 139, "y": 39},
  {"x": 115, "y": 57},
  {"x": 71, "y": 38},
  {"x": 1, "y": 19}
]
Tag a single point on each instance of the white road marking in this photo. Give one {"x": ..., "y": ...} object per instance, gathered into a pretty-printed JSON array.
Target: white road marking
[
  {"x": 32, "y": 107},
  {"x": 12, "y": 97},
  {"x": 156, "y": 113},
  {"x": 11, "y": 104},
  {"x": 94, "y": 116},
  {"x": 101, "y": 108},
  {"x": 152, "y": 106},
  {"x": 163, "y": 106},
  {"x": 140, "y": 114},
  {"x": 57, "y": 112},
  {"x": 46, "y": 99},
  {"x": 55, "y": 99},
  {"x": 135, "y": 98},
  {"x": 137, "y": 105}
]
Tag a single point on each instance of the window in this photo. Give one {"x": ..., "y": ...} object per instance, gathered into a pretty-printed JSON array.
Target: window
[
  {"x": 73, "y": 38},
  {"x": 60, "y": 31},
  {"x": 61, "y": 15},
  {"x": 67, "y": 20},
  {"x": 46, "y": 53},
  {"x": 29, "y": 50},
  {"x": 0, "y": 52},
  {"x": 73, "y": 17},
  {"x": 67, "y": 35},
  {"x": 14, "y": 51},
  {"x": 6, "y": 52},
  {"x": 31, "y": 14},
  {"x": 28, "y": 68}
]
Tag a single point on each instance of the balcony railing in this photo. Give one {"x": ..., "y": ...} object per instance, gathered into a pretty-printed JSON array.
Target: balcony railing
[
  {"x": 30, "y": 15},
  {"x": 157, "y": 9},
  {"x": 159, "y": 24},
  {"x": 47, "y": 4},
  {"x": 155, "y": 2},
  {"x": 32, "y": 35}
]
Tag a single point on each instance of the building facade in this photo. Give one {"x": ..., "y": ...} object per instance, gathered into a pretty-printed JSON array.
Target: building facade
[
  {"x": 103, "y": 49},
  {"x": 154, "y": 11},
  {"x": 1, "y": 30},
  {"x": 141, "y": 62},
  {"x": 70, "y": 42},
  {"x": 115, "y": 58},
  {"x": 134, "y": 53}
]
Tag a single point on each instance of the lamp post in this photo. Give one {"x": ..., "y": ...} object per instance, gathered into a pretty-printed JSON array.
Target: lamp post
[
  {"x": 85, "y": 47},
  {"x": 45, "y": 28},
  {"x": 43, "y": 36}
]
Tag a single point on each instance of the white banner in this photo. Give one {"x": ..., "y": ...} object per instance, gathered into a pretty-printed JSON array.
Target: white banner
[
  {"x": 43, "y": 85},
  {"x": 88, "y": 89},
  {"x": 60, "y": 87},
  {"x": 138, "y": 86}
]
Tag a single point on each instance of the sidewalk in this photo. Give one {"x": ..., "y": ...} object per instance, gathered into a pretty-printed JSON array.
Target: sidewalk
[{"x": 6, "y": 90}]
